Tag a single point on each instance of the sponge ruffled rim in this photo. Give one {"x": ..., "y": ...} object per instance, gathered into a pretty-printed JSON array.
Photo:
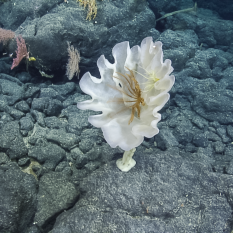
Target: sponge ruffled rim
[{"x": 147, "y": 62}]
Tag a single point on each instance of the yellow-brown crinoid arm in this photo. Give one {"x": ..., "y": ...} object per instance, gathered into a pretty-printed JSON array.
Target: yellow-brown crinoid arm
[
  {"x": 131, "y": 88},
  {"x": 132, "y": 115},
  {"x": 131, "y": 83}
]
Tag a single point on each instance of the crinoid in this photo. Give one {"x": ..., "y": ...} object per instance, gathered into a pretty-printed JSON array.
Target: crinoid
[
  {"x": 132, "y": 94},
  {"x": 151, "y": 80}
]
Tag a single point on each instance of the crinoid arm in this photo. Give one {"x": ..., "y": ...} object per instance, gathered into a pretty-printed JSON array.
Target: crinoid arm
[{"x": 132, "y": 94}]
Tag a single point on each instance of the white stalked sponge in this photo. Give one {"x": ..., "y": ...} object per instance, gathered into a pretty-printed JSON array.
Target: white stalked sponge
[{"x": 130, "y": 93}]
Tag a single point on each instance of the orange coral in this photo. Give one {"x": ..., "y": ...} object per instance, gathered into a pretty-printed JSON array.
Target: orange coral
[{"x": 92, "y": 8}]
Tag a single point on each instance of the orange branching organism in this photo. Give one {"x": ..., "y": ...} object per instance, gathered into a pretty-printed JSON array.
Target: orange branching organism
[
  {"x": 92, "y": 8},
  {"x": 133, "y": 93}
]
